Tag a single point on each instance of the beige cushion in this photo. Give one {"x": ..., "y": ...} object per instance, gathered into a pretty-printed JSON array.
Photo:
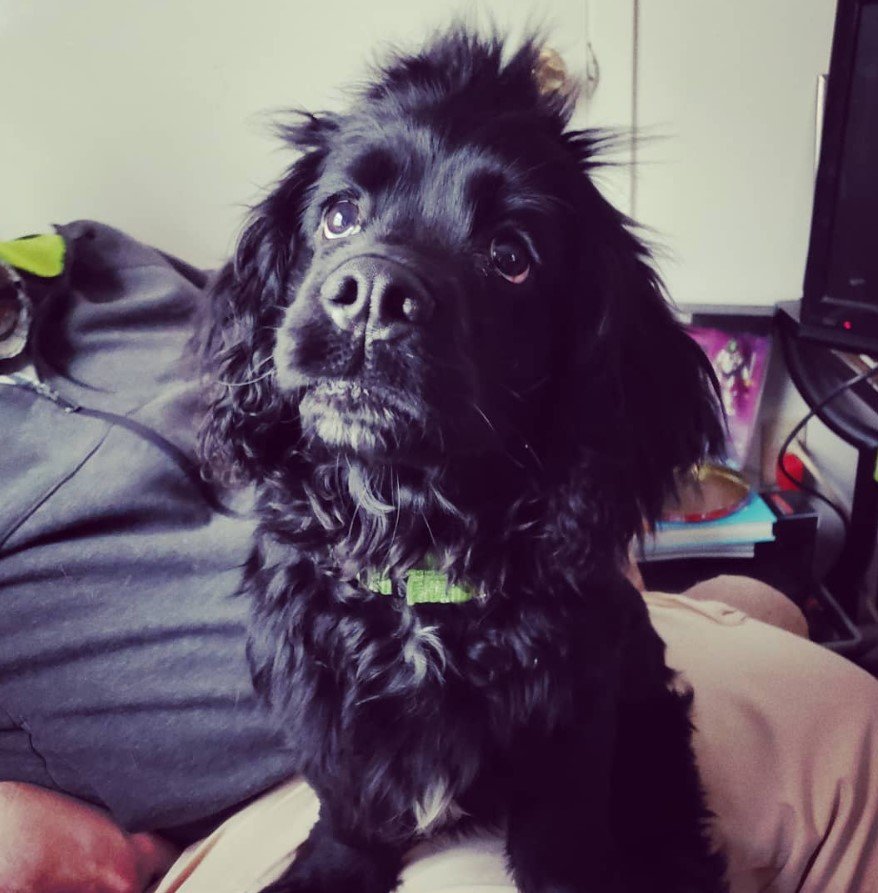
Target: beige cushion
[{"x": 787, "y": 742}]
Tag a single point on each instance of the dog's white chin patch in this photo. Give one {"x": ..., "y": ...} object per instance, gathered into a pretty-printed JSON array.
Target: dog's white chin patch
[
  {"x": 359, "y": 429},
  {"x": 335, "y": 431}
]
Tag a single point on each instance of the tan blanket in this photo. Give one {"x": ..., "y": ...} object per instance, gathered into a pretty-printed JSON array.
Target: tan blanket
[{"x": 787, "y": 742}]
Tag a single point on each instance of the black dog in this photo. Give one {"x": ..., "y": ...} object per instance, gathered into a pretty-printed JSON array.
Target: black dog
[{"x": 449, "y": 368}]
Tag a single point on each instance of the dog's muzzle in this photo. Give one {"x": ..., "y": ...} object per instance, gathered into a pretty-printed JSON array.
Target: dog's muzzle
[{"x": 378, "y": 296}]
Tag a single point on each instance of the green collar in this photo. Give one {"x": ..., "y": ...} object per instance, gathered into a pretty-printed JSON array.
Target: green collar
[{"x": 424, "y": 586}]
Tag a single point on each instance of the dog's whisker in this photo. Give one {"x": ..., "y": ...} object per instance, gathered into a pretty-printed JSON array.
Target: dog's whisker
[
  {"x": 398, "y": 502},
  {"x": 429, "y": 529},
  {"x": 493, "y": 428},
  {"x": 523, "y": 393},
  {"x": 249, "y": 381},
  {"x": 481, "y": 412},
  {"x": 533, "y": 454}
]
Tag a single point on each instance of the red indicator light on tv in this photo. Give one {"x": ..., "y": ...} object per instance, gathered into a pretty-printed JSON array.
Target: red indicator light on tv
[{"x": 847, "y": 325}]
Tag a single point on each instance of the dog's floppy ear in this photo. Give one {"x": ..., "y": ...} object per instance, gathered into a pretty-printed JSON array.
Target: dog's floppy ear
[
  {"x": 245, "y": 303},
  {"x": 642, "y": 391}
]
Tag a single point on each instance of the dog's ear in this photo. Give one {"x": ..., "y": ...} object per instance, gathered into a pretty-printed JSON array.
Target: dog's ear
[
  {"x": 244, "y": 306},
  {"x": 641, "y": 391}
]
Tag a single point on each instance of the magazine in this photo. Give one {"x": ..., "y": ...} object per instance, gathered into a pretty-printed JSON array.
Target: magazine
[{"x": 740, "y": 361}]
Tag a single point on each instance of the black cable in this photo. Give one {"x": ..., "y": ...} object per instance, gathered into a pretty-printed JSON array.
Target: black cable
[{"x": 782, "y": 452}]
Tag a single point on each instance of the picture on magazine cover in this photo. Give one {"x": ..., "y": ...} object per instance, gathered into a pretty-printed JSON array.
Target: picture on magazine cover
[{"x": 740, "y": 361}]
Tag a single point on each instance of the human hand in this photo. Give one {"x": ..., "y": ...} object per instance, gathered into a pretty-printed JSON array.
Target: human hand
[{"x": 52, "y": 843}]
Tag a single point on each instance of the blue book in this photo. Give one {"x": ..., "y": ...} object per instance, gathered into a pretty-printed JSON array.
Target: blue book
[{"x": 750, "y": 524}]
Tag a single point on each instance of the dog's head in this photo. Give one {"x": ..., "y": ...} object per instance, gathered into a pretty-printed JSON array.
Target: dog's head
[{"x": 437, "y": 277}]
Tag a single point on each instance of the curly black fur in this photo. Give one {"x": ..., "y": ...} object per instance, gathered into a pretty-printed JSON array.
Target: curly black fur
[{"x": 397, "y": 400}]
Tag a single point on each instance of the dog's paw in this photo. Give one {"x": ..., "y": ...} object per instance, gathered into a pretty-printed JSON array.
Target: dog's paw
[
  {"x": 297, "y": 882},
  {"x": 287, "y": 887},
  {"x": 584, "y": 886},
  {"x": 313, "y": 874},
  {"x": 293, "y": 881}
]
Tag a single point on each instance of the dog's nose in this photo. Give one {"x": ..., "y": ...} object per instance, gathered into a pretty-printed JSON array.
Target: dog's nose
[{"x": 377, "y": 292}]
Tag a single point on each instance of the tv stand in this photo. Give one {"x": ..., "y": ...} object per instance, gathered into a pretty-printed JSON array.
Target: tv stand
[{"x": 816, "y": 368}]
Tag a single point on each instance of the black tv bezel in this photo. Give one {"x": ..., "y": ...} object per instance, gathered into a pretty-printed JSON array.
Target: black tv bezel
[{"x": 844, "y": 322}]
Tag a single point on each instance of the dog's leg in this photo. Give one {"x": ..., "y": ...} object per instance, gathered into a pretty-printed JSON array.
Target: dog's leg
[
  {"x": 659, "y": 809},
  {"x": 559, "y": 837},
  {"x": 334, "y": 862}
]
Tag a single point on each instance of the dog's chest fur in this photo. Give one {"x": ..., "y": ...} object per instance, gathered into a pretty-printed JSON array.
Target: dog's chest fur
[
  {"x": 411, "y": 710},
  {"x": 411, "y": 713}
]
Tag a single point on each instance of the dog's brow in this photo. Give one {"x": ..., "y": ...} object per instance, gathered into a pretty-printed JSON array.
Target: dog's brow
[
  {"x": 374, "y": 170},
  {"x": 485, "y": 192}
]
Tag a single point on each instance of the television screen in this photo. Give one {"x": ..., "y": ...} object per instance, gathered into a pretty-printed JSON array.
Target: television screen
[
  {"x": 840, "y": 303},
  {"x": 852, "y": 273}
]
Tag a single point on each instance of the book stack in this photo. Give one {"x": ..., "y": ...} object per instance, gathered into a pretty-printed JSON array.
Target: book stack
[{"x": 733, "y": 536}]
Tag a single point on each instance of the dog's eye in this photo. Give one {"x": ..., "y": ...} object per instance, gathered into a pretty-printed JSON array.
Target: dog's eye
[
  {"x": 511, "y": 258},
  {"x": 341, "y": 218}
]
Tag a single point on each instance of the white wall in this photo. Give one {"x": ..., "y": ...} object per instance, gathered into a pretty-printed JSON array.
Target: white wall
[
  {"x": 728, "y": 91},
  {"x": 150, "y": 115},
  {"x": 146, "y": 113}
]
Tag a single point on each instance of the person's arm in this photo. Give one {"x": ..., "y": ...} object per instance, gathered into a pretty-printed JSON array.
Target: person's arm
[{"x": 51, "y": 843}]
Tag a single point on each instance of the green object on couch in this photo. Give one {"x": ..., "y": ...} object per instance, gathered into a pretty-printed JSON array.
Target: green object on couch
[{"x": 41, "y": 255}]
